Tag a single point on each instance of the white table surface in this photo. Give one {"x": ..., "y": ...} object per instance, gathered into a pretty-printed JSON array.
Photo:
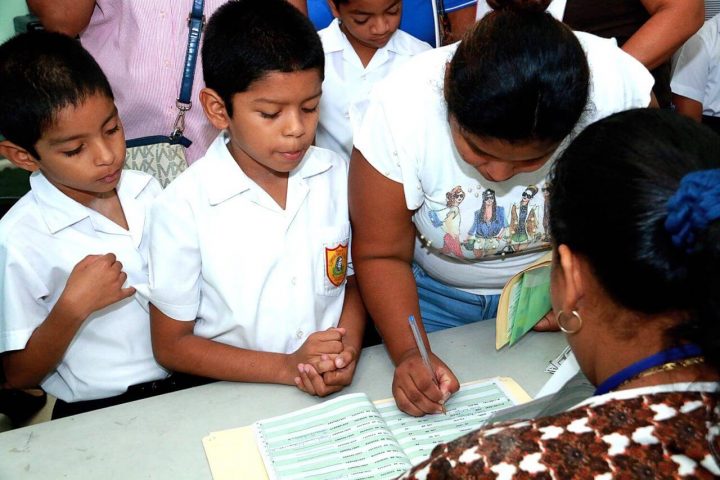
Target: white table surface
[{"x": 160, "y": 437}]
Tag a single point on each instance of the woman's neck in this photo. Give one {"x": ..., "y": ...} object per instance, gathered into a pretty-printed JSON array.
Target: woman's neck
[{"x": 691, "y": 373}]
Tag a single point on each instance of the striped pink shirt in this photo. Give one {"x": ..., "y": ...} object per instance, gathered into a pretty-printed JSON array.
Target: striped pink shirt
[{"x": 140, "y": 45}]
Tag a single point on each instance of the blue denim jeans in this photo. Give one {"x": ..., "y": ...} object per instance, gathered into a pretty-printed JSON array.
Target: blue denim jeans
[{"x": 442, "y": 306}]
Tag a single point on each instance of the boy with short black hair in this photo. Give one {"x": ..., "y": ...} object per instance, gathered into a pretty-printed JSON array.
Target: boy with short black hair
[
  {"x": 250, "y": 279},
  {"x": 72, "y": 249}
]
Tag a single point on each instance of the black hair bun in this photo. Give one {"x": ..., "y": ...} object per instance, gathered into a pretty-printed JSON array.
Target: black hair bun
[{"x": 520, "y": 5}]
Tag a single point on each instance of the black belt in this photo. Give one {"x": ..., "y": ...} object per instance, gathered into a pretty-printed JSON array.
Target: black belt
[{"x": 173, "y": 383}]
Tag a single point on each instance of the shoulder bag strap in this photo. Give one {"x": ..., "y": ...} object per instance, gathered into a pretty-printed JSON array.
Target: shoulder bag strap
[{"x": 196, "y": 22}]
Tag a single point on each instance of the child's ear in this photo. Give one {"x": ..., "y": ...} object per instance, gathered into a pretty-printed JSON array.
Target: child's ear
[
  {"x": 214, "y": 108},
  {"x": 18, "y": 156},
  {"x": 333, "y": 9}
]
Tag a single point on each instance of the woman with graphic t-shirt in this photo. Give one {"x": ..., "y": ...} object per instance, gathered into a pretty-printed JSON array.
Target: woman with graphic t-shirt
[
  {"x": 652, "y": 353},
  {"x": 487, "y": 114}
]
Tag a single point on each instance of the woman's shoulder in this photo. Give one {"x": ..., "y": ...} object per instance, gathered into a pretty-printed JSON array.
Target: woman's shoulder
[
  {"x": 408, "y": 44},
  {"x": 424, "y": 71},
  {"x": 609, "y": 435}
]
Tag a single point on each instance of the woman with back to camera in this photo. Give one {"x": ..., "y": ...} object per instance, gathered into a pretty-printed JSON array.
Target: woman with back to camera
[
  {"x": 643, "y": 317},
  {"x": 494, "y": 109}
]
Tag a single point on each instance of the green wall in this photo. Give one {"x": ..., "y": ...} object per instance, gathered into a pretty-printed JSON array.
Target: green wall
[{"x": 10, "y": 9}]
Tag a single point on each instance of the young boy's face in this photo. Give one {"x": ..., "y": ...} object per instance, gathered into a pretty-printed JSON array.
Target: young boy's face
[
  {"x": 274, "y": 122},
  {"x": 368, "y": 23},
  {"x": 83, "y": 152}
]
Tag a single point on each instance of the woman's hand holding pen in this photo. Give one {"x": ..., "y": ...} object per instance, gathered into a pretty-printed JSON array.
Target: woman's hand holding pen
[{"x": 414, "y": 388}]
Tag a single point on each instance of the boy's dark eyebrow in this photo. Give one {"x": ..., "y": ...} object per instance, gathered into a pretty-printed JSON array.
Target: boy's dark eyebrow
[
  {"x": 58, "y": 141},
  {"x": 275, "y": 102},
  {"x": 360, "y": 12}
]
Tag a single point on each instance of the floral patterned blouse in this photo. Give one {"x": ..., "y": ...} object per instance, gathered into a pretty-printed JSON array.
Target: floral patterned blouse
[{"x": 662, "y": 432}]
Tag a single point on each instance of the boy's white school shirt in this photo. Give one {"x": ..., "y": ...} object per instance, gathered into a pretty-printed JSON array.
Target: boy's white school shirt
[
  {"x": 42, "y": 238},
  {"x": 697, "y": 70},
  {"x": 251, "y": 274},
  {"x": 347, "y": 83}
]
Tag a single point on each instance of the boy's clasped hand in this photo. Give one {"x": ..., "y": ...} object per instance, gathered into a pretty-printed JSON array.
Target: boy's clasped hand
[{"x": 325, "y": 364}]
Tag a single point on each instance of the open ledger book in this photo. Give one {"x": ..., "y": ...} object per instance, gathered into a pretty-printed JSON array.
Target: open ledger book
[
  {"x": 524, "y": 300},
  {"x": 352, "y": 437}
]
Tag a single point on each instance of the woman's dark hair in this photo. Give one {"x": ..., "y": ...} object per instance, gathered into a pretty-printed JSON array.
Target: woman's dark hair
[
  {"x": 245, "y": 40},
  {"x": 518, "y": 75},
  {"x": 609, "y": 197},
  {"x": 489, "y": 194},
  {"x": 41, "y": 73}
]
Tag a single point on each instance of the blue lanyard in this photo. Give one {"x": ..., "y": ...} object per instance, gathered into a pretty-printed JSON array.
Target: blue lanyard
[{"x": 660, "y": 358}]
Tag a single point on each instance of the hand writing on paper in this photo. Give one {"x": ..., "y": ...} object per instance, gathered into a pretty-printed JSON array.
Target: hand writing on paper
[
  {"x": 94, "y": 283},
  {"x": 413, "y": 387}
]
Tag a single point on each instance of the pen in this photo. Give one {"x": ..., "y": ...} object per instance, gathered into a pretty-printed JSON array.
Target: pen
[{"x": 424, "y": 353}]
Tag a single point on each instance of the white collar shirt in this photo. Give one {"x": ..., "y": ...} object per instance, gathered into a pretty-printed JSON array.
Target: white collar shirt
[
  {"x": 556, "y": 9},
  {"x": 348, "y": 83},
  {"x": 252, "y": 275},
  {"x": 42, "y": 238},
  {"x": 697, "y": 69}
]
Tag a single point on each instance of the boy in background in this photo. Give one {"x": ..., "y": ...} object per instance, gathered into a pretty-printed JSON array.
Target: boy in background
[
  {"x": 72, "y": 249},
  {"x": 249, "y": 264},
  {"x": 362, "y": 46},
  {"x": 696, "y": 79}
]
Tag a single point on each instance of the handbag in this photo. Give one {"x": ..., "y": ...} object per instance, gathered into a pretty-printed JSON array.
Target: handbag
[{"x": 163, "y": 156}]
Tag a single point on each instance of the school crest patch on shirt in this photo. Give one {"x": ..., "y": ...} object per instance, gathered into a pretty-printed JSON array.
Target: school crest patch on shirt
[{"x": 336, "y": 264}]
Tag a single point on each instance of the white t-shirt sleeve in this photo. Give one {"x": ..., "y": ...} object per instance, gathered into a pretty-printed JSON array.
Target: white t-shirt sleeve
[
  {"x": 382, "y": 139},
  {"x": 174, "y": 261},
  {"x": 22, "y": 308},
  {"x": 618, "y": 81},
  {"x": 692, "y": 69}
]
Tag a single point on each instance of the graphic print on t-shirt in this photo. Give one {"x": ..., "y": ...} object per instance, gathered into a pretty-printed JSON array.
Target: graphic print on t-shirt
[{"x": 519, "y": 224}]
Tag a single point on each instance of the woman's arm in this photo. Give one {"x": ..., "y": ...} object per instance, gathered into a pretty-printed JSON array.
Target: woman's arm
[
  {"x": 671, "y": 23},
  {"x": 460, "y": 21},
  {"x": 65, "y": 16},
  {"x": 688, "y": 107},
  {"x": 383, "y": 245},
  {"x": 382, "y": 252}
]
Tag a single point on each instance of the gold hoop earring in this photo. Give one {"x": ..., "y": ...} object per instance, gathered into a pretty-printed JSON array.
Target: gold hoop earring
[{"x": 575, "y": 314}]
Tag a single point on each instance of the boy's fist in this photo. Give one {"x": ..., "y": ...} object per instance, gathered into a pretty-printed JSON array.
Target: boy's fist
[{"x": 96, "y": 282}]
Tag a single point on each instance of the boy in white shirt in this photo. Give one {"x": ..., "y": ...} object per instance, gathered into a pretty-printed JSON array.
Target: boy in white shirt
[
  {"x": 72, "y": 249},
  {"x": 249, "y": 263},
  {"x": 362, "y": 46},
  {"x": 696, "y": 80}
]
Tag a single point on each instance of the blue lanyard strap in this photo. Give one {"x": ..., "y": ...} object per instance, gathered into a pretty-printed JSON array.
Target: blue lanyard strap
[
  {"x": 660, "y": 358},
  {"x": 195, "y": 23}
]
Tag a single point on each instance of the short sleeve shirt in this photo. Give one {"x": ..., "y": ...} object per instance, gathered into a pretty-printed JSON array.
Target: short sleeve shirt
[
  {"x": 347, "y": 82},
  {"x": 251, "y": 274},
  {"x": 42, "y": 238},
  {"x": 697, "y": 71},
  {"x": 477, "y": 233}
]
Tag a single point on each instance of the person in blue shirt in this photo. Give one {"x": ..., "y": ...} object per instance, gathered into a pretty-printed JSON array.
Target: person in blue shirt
[{"x": 418, "y": 18}]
